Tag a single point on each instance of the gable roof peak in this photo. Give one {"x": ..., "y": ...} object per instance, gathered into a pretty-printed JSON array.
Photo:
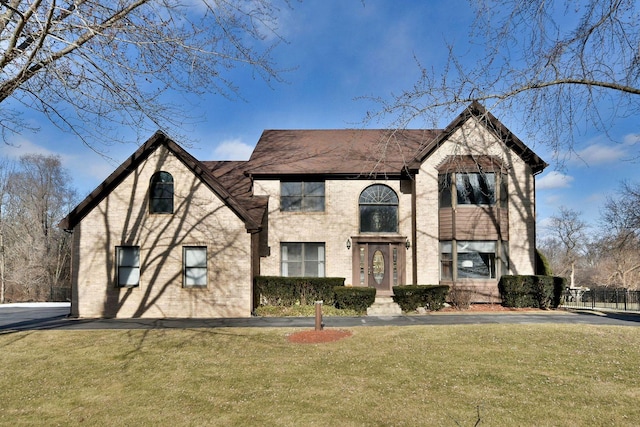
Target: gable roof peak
[
  {"x": 158, "y": 139},
  {"x": 492, "y": 124}
]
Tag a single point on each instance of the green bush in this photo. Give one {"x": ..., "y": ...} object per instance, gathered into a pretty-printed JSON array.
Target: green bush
[
  {"x": 542, "y": 264},
  {"x": 410, "y": 297},
  {"x": 356, "y": 298},
  {"x": 531, "y": 291},
  {"x": 287, "y": 291}
]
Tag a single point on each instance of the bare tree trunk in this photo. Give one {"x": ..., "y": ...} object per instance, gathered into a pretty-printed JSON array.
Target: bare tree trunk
[{"x": 2, "y": 263}]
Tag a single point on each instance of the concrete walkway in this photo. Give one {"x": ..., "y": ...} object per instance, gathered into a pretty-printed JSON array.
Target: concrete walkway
[{"x": 25, "y": 317}]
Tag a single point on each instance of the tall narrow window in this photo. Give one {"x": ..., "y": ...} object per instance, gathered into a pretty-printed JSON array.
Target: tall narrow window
[
  {"x": 195, "y": 266},
  {"x": 161, "y": 193},
  {"x": 378, "y": 210},
  {"x": 302, "y": 259},
  {"x": 302, "y": 196},
  {"x": 128, "y": 264}
]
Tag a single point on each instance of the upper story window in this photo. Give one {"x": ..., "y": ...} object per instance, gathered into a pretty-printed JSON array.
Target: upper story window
[
  {"x": 473, "y": 188},
  {"x": 161, "y": 193},
  {"x": 302, "y": 196},
  {"x": 378, "y": 209}
]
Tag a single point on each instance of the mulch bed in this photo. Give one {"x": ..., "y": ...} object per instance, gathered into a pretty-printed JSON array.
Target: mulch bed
[
  {"x": 315, "y": 337},
  {"x": 329, "y": 335}
]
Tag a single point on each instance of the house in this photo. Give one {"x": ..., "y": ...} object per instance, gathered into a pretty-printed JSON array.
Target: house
[{"x": 167, "y": 235}]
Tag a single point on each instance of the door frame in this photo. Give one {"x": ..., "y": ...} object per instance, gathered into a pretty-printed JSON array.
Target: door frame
[{"x": 360, "y": 260}]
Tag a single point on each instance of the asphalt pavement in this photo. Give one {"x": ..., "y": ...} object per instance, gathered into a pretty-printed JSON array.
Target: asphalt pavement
[{"x": 52, "y": 316}]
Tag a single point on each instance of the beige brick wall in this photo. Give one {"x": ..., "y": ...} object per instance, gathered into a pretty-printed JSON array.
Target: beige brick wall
[
  {"x": 472, "y": 138},
  {"x": 339, "y": 222},
  {"x": 200, "y": 218},
  {"x": 340, "y": 219}
]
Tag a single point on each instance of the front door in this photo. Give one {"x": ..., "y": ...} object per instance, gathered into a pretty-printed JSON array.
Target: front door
[{"x": 379, "y": 267}]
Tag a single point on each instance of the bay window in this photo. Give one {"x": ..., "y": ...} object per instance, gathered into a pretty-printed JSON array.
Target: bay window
[{"x": 473, "y": 259}]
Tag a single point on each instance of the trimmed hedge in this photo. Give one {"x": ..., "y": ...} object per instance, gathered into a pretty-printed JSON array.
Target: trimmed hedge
[
  {"x": 287, "y": 291},
  {"x": 410, "y": 297},
  {"x": 357, "y": 298},
  {"x": 531, "y": 291},
  {"x": 542, "y": 264}
]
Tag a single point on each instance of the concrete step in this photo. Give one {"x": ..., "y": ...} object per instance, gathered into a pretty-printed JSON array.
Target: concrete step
[{"x": 384, "y": 306}]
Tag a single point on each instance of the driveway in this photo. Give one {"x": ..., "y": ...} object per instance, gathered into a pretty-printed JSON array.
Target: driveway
[{"x": 25, "y": 317}]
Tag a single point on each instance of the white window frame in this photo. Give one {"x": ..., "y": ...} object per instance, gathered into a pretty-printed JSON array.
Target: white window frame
[
  {"x": 195, "y": 270},
  {"x": 127, "y": 266},
  {"x": 306, "y": 246}
]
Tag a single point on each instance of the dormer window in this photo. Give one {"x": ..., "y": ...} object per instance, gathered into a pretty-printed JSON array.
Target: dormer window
[{"x": 161, "y": 193}]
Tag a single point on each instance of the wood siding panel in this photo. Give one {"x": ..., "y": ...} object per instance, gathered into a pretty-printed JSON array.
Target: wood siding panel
[{"x": 474, "y": 223}]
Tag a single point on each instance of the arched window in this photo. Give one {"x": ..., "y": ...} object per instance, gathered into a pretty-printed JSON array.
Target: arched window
[
  {"x": 161, "y": 193},
  {"x": 378, "y": 210}
]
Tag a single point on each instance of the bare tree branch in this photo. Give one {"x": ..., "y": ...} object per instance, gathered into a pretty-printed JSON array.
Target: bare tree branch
[
  {"x": 552, "y": 64},
  {"x": 108, "y": 64}
]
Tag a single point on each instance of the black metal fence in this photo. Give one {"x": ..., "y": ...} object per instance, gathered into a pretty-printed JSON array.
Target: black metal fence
[{"x": 617, "y": 299}]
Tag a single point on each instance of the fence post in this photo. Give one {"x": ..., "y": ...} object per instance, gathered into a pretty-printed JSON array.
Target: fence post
[{"x": 319, "y": 324}]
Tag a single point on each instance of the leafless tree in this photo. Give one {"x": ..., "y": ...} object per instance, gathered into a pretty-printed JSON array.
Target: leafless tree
[
  {"x": 620, "y": 241},
  {"x": 37, "y": 251},
  {"x": 554, "y": 64},
  {"x": 92, "y": 66},
  {"x": 5, "y": 173},
  {"x": 569, "y": 229}
]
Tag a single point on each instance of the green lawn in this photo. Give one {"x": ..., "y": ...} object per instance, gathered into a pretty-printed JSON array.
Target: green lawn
[{"x": 542, "y": 375}]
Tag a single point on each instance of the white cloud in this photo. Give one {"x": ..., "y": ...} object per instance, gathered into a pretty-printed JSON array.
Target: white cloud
[
  {"x": 631, "y": 139},
  {"x": 597, "y": 154},
  {"x": 554, "y": 179},
  {"x": 233, "y": 149},
  {"x": 19, "y": 147}
]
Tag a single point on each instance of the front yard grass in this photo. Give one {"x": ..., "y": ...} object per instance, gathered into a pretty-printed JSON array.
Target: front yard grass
[{"x": 542, "y": 375}]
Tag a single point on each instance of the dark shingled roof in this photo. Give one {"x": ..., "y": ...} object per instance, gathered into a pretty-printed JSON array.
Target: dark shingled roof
[
  {"x": 494, "y": 125},
  {"x": 141, "y": 154},
  {"x": 347, "y": 152},
  {"x": 231, "y": 175},
  {"x": 369, "y": 153}
]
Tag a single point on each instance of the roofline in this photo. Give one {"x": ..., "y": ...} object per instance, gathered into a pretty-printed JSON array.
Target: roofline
[
  {"x": 128, "y": 166},
  {"x": 477, "y": 110},
  {"x": 406, "y": 172}
]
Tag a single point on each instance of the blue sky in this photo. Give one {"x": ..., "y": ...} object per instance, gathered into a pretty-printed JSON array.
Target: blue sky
[{"x": 338, "y": 53}]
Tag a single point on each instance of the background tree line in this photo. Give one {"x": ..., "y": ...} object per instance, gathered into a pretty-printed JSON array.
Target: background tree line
[
  {"x": 35, "y": 194},
  {"x": 606, "y": 254}
]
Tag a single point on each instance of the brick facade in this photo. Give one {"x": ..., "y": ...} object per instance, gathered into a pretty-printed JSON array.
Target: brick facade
[
  {"x": 200, "y": 219},
  {"x": 233, "y": 210}
]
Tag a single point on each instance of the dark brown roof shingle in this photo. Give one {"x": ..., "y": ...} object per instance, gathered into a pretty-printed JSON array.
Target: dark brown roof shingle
[{"x": 352, "y": 152}]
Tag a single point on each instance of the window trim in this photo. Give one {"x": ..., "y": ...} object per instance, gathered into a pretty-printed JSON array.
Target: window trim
[
  {"x": 448, "y": 194},
  {"x": 389, "y": 199},
  {"x": 156, "y": 183},
  {"x": 321, "y": 263},
  {"x": 135, "y": 266},
  {"x": 186, "y": 268},
  {"x": 302, "y": 196},
  {"x": 449, "y": 251}
]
